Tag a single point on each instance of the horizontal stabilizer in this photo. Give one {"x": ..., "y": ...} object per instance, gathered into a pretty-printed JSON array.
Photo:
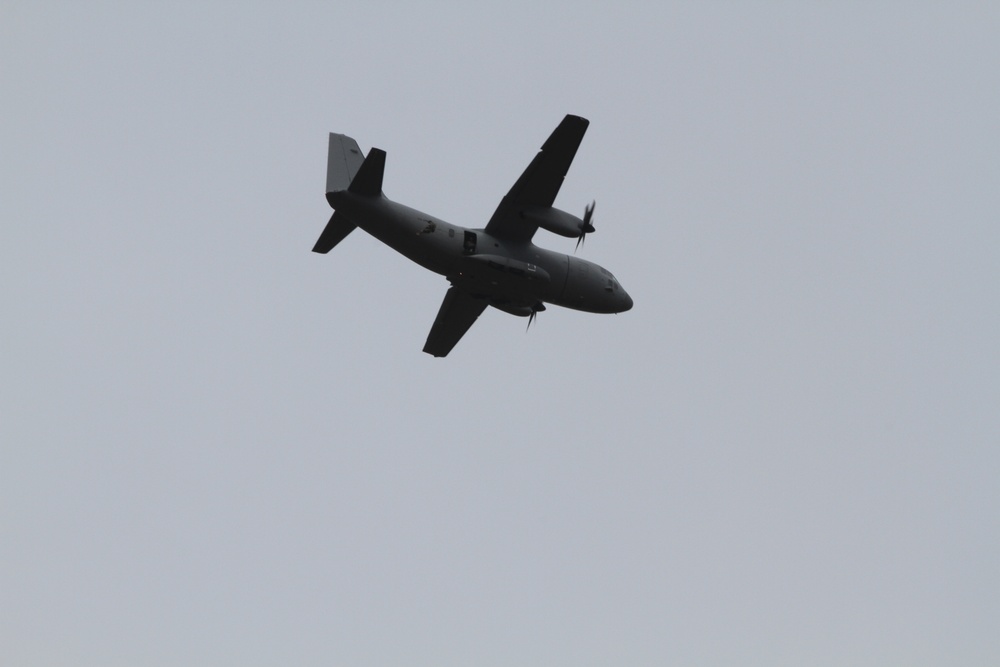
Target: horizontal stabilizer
[
  {"x": 368, "y": 180},
  {"x": 336, "y": 231}
]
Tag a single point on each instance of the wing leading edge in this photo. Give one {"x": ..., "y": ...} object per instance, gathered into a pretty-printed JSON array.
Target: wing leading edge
[
  {"x": 540, "y": 182},
  {"x": 458, "y": 312}
]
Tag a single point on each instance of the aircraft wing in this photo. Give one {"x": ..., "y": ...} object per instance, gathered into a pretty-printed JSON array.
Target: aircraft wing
[
  {"x": 458, "y": 312},
  {"x": 540, "y": 182}
]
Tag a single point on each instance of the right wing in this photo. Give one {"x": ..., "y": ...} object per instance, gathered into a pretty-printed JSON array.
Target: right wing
[
  {"x": 458, "y": 312},
  {"x": 540, "y": 182}
]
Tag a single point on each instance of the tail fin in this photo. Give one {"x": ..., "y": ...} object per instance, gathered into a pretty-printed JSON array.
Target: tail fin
[
  {"x": 348, "y": 169},
  {"x": 368, "y": 180},
  {"x": 344, "y": 161}
]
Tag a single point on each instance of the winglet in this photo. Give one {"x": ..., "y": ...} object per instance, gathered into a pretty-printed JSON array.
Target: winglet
[{"x": 368, "y": 180}]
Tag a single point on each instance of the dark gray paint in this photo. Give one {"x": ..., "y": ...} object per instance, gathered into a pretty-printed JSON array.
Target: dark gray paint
[{"x": 498, "y": 265}]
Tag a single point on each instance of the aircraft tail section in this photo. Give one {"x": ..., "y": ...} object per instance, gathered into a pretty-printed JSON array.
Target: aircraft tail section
[
  {"x": 335, "y": 231},
  {"x": 348, "y": 169},
  {"x": 368, "y": 180},
  {"x": 343, "y": 162}
]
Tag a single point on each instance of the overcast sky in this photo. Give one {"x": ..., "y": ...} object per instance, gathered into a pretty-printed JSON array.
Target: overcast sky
[{"x": 219, "y": 448}]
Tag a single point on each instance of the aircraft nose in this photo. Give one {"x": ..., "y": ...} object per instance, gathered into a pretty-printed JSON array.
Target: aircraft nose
[{"x": 626, "y": 302}]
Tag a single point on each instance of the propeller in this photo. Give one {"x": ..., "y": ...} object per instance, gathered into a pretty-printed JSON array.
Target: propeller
[
  {"x": 587, "y": 227},
  {"x": 537, "y": 308}
]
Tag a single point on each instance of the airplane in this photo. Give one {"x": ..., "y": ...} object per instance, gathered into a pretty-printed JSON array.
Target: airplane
[{"x": 495, "y": 266}]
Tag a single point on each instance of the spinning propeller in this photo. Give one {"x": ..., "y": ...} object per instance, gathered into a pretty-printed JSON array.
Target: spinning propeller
[
  {"x": 537, "y": 308},
  {"x": 587, "y": 227}
]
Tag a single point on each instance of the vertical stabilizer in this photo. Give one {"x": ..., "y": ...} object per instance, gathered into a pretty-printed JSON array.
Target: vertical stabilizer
[
  {"x": 343, "y": 162},
  {"x": 368, "y": 180}
]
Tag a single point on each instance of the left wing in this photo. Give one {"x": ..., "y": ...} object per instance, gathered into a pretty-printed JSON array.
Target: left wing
[
  {"x": 540, "y": 182},
  {"x": 458, "y": 312}
]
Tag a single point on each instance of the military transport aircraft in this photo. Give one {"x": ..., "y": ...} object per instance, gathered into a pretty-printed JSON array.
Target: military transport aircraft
[{"x": 496, "y": 266}]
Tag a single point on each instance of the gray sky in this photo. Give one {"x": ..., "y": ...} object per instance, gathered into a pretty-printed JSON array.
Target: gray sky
[{"x": 220, "y": 448}]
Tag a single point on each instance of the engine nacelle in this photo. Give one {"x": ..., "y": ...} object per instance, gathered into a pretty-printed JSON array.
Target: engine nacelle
[
  {"x": 554, "y": 220},
  {"x": 519, "y": 309},
  {"x": 514, "y": 309}
]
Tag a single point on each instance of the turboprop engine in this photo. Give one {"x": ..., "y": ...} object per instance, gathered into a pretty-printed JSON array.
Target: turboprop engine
[{"x": 560, "y": 222}]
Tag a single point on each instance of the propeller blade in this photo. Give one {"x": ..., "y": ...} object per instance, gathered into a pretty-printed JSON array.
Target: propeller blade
[
  {"x": 587, "y": 227},
  {"x": 535, "y": 309}
]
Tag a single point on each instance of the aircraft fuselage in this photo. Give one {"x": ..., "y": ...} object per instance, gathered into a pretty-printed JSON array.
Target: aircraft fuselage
[
  {"x": 497, "y": 265},
  {"x": 514, "y": 277}
]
